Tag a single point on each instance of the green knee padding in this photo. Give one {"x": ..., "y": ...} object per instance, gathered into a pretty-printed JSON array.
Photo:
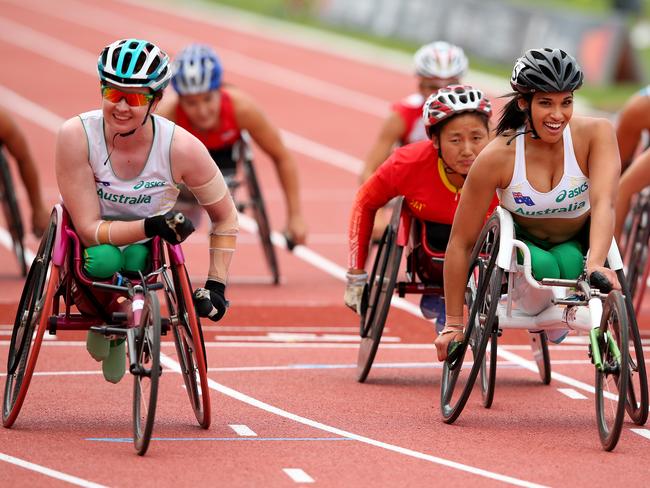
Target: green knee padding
[
  {"x": 569, "y": 259},
  {"x": 102, "y": 261},
  {"x": 136, "y": 258},
  {"x": 543, "y": 263}
]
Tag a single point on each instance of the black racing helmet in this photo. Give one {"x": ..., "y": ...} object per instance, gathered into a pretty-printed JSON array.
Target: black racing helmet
[{"x": 546, "y": 70}]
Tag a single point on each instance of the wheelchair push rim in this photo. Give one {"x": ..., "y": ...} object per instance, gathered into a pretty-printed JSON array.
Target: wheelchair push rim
[
  {"x": 190, "y": 352},
  {"x": 637, "y": 396},
  {"x": 146, "y": 378},
  {"x": 481, "y": 298},
  {"x": 611, "y": 378},
  {"x": 29, "y": 326}
]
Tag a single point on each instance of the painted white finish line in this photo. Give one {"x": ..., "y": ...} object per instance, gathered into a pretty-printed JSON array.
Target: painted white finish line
[
  {"x": 52, "y": 473},
  {"x": 571, "y": 393},
  {"x": 642, "y": 432},
  {"x": 298, "y": 475},
  {"x": 242, "y": 430}
]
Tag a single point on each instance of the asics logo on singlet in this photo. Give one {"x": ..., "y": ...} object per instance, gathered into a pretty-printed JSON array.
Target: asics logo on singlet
[
  {"x": 416, "y": 205},
  {"x": 572, "y": 193},
  {"x": 521, "y": 198},
  {"x": 148, "y": 184}
]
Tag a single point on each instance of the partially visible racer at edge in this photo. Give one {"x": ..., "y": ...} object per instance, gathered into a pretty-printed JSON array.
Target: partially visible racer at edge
[
  {"x": 12, "y": 138},
  {"x": 118, "y": 169},
  {"x": 217, "y": 113},
  {"x": 430, "y": 174},
  {"x": 632, "y": 121},
  {"x": 558, "y": 179}
]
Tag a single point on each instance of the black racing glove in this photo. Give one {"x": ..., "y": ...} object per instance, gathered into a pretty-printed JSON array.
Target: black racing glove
[
  {"x": 210, "y": 301},
  {"x": 174, "y": 227}
]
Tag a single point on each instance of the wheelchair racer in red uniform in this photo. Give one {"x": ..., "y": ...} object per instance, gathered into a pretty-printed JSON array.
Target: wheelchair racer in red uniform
[
  {"x": 430, "y": 175},
  {"x": 217, "y": 114}
]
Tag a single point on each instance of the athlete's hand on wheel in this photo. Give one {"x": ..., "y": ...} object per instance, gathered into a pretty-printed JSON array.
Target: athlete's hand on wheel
[
  {"x": 174, "y": 227},
  {"x": 354, "y": 290},
  {"x": 210, "y": 301}
]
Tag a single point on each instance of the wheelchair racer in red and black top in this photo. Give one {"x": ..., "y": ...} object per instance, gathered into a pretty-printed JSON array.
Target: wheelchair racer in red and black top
[{"x": 430, "y": 175}]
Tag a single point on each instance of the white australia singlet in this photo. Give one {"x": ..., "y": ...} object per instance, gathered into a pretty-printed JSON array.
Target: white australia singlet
[
  {"x": 568, "y": 200},
  {"x": 152, "y": 192}
]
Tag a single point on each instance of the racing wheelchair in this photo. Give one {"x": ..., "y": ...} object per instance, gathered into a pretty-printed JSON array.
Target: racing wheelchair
[
  {"x": 236, "y": 164},
  {"x": 11, "y": 213},
  {"x": 423, "y": 268},
  {"x": 634, "y": 247},
  {"x": 608, "y": 318},
  {"x": 59, "y": 296}
]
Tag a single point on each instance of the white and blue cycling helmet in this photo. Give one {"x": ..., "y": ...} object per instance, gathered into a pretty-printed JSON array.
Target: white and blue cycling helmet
[
  {"x": 197, "y": 69},
  {"x": 134, "y": 63}
]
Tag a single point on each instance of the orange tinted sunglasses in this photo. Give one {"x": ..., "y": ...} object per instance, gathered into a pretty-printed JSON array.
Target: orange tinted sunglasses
[{"x": 114, "y": 95}]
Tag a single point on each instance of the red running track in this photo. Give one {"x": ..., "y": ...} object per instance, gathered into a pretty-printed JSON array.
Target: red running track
[{"x": 282, "y": 361}]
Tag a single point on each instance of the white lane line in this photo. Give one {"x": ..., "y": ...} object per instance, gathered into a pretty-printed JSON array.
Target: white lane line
[
  {"x": 242, "y": 430},
  {"x": 299, "y": 337},
  {"x": 298, "y": 475},
  {"x": 642, "y": 432},
  {"x": 242, "y": 397},
  {"x": 49, "y": 472},
  {"x": 105, "y": 21},
  {"x": 571, "y": 393}
]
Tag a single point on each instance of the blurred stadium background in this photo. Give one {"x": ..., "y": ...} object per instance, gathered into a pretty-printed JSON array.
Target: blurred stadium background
[{"x": 611, "y": 38}]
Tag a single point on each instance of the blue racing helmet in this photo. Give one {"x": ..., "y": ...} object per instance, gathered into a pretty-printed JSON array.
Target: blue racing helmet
[
  {"x": 197, "y": 69},
  {"x": 134, "y": 63}
]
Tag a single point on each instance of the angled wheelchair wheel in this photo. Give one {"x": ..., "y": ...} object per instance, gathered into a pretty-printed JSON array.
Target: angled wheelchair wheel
[
  {"x": 378, "y": 295},
  {"x": 611, "y": 379},
  {"x": 636, "y": 251},
  {"x": 147, "y": 374},
  {"x": 12, "y": 214},
  {"x": 481, "y": 298},
  {"x": 190, "y": 347},
  {"x": 259, "y": 214},
  {"x": 637, "y": 397},
  {"x": 31, "y": 319},
  {"x": 488, "y": 371},
  {"x": 541, "y": 355}
]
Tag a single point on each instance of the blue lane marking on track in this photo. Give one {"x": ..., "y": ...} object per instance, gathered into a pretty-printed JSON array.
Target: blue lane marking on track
[{"x": 129, "y": 439}]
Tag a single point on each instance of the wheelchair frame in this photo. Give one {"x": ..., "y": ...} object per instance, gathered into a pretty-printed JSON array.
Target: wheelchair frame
[
  {"x": 12, "y": 214},
  {"x": 494, "y": 255},
  {"x": 58, "y": 267}
]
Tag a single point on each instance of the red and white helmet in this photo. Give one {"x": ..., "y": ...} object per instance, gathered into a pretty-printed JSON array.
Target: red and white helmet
[
  {"x": 440, "y": 60},
  {"x": 453, "y": 100}
]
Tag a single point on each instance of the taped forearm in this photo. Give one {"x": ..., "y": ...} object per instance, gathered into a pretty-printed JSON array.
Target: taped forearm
[
  {"x": 223, "y": 240},
  {"x": 210, "y": 192},
  {"x": 117, "y": 233}
]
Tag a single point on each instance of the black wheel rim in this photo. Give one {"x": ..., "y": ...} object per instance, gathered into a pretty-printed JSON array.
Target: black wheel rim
[
  {"x": 145, "y": 385},
  {"x": 610, "y": 405}
]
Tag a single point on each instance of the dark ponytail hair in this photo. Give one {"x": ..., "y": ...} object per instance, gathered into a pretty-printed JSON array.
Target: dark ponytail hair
[{"x": 513, "y": 117}]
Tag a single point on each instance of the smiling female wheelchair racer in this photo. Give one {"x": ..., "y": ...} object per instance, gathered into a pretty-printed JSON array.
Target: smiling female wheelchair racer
[
  {"x": 430, "y": 175},
  {"x": 558, "y": 180},
  {"x": 117, "y": 169}
]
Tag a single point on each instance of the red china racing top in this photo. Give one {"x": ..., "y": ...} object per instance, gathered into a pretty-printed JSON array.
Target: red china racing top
[
  {"x": 410, "y": 111},
  {"x": 415, "y": 172},
  {"x": 226, "y": 132}
]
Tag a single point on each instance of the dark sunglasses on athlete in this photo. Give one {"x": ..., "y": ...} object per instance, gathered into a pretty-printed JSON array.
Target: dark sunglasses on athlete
[{"x": 114, "y": 95}]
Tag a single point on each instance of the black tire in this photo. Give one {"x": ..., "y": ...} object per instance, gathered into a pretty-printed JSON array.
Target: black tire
[
  {"x": 636, "y": 251},
  {"x": 145, "y": 379},
  {"x": 610, "y": 380},
  {"x": 488, "y": 371},
  {"x": 12, "y": 214},
  {"x": 378, "y": 294},
  {"x": 481, "y": 298},
  {"x": 186, "y": 349},
  {"x": 541, "y": 355},
  {"x": 29, "y": 326},
  {"x": 637, "y": 398},
  {"x": 259, "y": 214}
]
